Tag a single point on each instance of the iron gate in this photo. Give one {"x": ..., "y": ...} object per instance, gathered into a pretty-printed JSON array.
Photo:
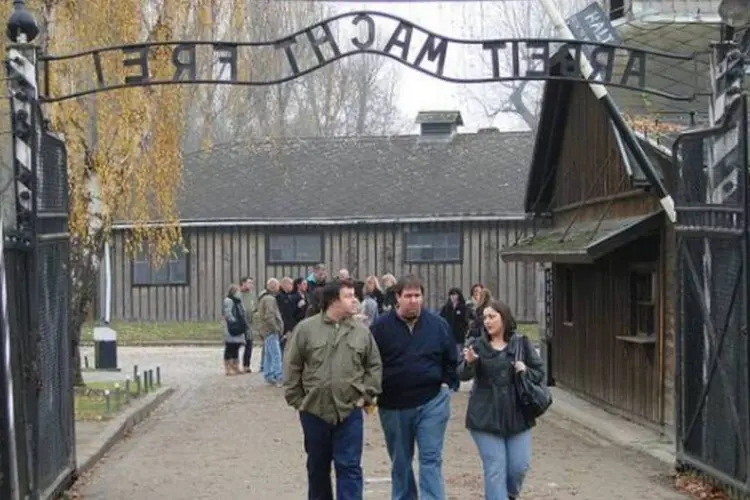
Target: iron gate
[
  {"x": 38, "y": 281},
  {"x": 713, "y": 390},
  {"x": 56, "y": 459}
]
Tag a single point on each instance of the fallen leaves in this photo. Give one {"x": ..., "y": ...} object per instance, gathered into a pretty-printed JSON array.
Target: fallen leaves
[{"x": 698, "y": 488}]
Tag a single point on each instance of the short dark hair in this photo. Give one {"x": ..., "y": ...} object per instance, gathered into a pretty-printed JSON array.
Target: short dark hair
[
  {"x": 509, "y": 322},
  {"x": 408, "y": 281},
  {"x": 332, "y": 291},
  {"x": 245, "y": 278}
]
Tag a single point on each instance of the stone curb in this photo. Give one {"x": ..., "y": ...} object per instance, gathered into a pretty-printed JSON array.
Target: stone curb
[
  {"x": 610, "y": 427},
  {"x": 88, "y": 456},
  {"x": 163, "y": 343}
]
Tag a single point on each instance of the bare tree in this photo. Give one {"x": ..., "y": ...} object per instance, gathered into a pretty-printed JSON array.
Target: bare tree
[
  {"x": 355, "y": 95},
  {"x": 512, "y": 19}
]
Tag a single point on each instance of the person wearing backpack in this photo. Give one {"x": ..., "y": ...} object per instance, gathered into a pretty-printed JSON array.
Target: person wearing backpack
[
  {"x": 235, "y": 329},
  {"x": 502, "y": 363}
]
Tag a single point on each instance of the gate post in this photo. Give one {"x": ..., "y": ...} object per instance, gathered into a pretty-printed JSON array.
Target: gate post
[{"x": 21, "y": 59}]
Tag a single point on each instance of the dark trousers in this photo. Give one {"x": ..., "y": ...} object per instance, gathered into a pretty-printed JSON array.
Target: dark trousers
[
  {"x": 247, "y": 354},
  {"x": 340, "y": 444},
  {"x": 231, "y": 351}
]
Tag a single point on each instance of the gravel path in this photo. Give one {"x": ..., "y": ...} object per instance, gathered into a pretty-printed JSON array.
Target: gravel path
[{"x": 224, "y": 438}]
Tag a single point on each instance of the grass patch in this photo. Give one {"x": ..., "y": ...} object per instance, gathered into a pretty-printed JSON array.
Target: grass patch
[
  {"x": 91, "y": 401},
  {"x": 531, "y": 330},
  {"x": 133, "y": 332}
]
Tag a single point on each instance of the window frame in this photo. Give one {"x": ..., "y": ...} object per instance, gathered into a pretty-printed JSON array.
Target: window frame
[
  {"x": 138, "y": 259},
  {"x": 568, "y": 296},
  {"x": 408, "y": 233},
  {"x": 294, "y": 260},
  {"x": 643, "y": 270}
]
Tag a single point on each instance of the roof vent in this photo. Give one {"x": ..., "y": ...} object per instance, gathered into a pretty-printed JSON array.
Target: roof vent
[{"x": 440, "y": 125}]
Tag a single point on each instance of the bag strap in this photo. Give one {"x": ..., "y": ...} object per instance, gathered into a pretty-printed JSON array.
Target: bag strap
[{"x": 519, "y": 347}]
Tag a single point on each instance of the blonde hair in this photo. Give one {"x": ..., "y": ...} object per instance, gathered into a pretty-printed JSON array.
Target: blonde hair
[
  {"x": 373, "y": 280},
  {"x": 388, "y": 280}
]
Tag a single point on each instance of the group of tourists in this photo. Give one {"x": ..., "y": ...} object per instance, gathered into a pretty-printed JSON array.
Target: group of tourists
[{"x": 353, "y": 348}]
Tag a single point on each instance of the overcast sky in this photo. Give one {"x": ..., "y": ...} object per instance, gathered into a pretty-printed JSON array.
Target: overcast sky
[{"x": 460, "y": 19}]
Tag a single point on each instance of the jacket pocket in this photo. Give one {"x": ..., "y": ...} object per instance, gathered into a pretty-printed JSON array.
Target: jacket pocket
[{"x": 356, "y": 348}]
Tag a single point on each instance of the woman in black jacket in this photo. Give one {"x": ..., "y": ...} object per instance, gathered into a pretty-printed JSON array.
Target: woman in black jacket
[
  {"x": 499, "y": 427},
  {"x": 456, "y": 314}
]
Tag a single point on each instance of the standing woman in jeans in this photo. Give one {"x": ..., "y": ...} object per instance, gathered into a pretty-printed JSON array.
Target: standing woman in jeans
[
  {"x": 235, "y": 329},
  {"x": 494, "y": 416}
]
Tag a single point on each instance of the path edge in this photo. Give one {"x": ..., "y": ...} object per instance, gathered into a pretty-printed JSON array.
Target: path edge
[
  {"x": 118, "y": 428},
  {"x": 610, "y": 427}
]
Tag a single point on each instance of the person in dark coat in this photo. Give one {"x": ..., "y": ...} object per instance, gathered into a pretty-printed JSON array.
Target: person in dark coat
[
  {"x": 288, "y": 301},
  {"x": 494, "y": 417},
  {"x": 456, "y": 313}
]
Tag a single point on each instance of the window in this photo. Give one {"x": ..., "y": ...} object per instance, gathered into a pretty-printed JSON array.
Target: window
[
  {"x": 172, "y": 271},
  {"x": 568, "y": 295},
  {"x": 433, "y": 246},
  {"x": 295, "y": 249},
  {"x": 643, "y": 302}
]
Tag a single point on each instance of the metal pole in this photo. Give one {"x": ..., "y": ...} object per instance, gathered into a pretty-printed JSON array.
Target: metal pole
[
  {"x": 8, "y": 373},
  {"x": 601, "y": 93},
  {"x": 744, "y": 165}
]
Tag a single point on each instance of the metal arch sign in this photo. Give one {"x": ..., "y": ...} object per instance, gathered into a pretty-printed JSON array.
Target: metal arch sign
[{"x": 407, "y": 43}]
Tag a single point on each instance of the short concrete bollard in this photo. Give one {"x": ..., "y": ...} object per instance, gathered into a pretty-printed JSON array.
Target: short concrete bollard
[
  {"x": 151, "y": 380},
  {"x": 158, "y": 376},
  {"x": 107, "y": 403},
  {"x": 127, "y": 389},
  {"x": 137, "y": 385},
  {"x": 135, "y": 372}
]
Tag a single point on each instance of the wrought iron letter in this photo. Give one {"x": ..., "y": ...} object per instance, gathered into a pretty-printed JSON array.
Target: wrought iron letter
[
  {"x": 182, "y": 66},
  {"x": 98, "y": 68},
  {"x": 141, "y": 61},
  {"x": 433, "y": 49},
  {"x": 370, "y": 38},
  {"x": 639, "y": 57},
  {"x": 228, "y": 55},
  {"x": 538, "y": 57},
  {"x": 494, "y": 47},
  {"x": 602, "y": 69},
  {"x": 395, "y": 41},
  {"x": 572, "y": 68},
  {"x": 286, "y": 44},
  {"x": 326, "y": 38}
]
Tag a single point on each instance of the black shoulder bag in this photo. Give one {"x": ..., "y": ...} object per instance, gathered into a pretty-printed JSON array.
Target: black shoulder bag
[
  {"x": 535, "y": 398},
  {"x": 237, "y": 327}
]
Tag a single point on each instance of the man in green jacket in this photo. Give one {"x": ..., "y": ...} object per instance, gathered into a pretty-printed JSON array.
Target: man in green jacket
[{"x": 332, "y": 372}]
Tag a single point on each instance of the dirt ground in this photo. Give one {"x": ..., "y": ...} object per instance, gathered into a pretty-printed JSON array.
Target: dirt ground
[{"x": 225, "y": 438}]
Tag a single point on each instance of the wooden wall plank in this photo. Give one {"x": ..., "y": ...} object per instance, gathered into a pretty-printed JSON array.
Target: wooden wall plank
[{"x": 219, "y": 256}]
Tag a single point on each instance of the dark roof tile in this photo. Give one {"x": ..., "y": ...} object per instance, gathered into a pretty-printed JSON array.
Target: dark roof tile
[{"x": 358, "y": 178}]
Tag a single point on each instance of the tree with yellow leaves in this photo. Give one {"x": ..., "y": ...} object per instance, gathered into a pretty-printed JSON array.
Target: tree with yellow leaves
[{"x": 124, "y": 146}]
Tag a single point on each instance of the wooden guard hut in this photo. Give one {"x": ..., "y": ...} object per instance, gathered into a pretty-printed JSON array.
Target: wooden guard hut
[{"x": 609, "y": 253}]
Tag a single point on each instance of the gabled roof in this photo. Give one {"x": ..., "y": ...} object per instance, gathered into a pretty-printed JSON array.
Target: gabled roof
[
  {"x": 655, "y": 120},
  {"x": 550, "y": 131},
  {"x": 309, "y": 179}
]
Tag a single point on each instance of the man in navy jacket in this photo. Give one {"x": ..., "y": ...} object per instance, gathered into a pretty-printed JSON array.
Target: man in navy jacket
[{"x": 419, "y": 370}]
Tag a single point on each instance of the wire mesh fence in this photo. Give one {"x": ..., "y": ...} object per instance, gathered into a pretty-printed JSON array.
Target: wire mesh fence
[
  {"x": 56, "y": 417},
  {"x": 713, "y": 428}
]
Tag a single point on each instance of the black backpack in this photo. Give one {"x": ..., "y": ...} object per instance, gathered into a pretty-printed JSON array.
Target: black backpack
[{"x": 239, "y": 325}]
